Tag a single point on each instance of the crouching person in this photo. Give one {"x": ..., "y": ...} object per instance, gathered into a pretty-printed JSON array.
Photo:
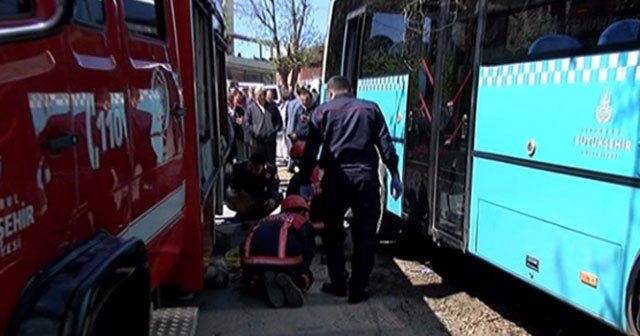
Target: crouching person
[
  {"x": 277, "y": 253},
  {"x": 254, "y": 190},
  {"x": 316, "y": 201}
]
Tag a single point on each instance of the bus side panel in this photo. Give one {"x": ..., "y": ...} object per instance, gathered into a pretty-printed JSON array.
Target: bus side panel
[
  {"x": 580, "y": 112},
  {"x": 390, "y": 93},
  {"x": 555, "y": 163},
  {"x": 528, "y": 216}
]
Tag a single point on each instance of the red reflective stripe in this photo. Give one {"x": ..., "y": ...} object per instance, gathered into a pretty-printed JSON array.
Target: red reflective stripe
[
  {"x": 249, "y": 240},
  {"x": 272, "y": 261},
  {"x": 282, "y": 241},
  {"x": 307, "y": 281},
  {"x": 318, "y": 226},
  {"x": 247, "y": 244}
]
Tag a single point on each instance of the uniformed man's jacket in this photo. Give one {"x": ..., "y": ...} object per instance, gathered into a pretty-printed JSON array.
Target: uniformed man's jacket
[{"x": 351, "y": 132}]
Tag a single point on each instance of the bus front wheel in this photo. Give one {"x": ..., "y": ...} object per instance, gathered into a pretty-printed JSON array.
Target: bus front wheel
[{"x": 633, "y": 301}]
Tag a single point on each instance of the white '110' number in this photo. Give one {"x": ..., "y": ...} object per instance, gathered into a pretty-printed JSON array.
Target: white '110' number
[
  {"x": 111, "y": 125},
  {"x": 113, "y": 128}
]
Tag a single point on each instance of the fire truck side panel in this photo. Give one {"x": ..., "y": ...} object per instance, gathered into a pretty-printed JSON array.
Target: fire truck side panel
[
  {"x": 98, "y": 131},
  {"x": 37, "y": 175}
]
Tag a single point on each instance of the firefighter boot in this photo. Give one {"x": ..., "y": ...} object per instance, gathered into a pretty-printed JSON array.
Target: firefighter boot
[
  {"x": 292, "y": 294},
  {"x": 275, "y": 296}
]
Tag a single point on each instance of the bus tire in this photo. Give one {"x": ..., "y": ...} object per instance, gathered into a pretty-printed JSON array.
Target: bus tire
[{"x": 633, "y": 301}]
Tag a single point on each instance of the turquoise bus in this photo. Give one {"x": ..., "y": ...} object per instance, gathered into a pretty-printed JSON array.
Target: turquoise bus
[{"x": 517, "y": 123}]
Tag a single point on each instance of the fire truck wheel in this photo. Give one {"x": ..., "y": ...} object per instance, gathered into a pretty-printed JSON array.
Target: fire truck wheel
[{"x": 121, "y": 308}]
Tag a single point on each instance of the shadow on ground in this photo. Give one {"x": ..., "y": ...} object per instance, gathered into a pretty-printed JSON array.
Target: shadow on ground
[{"x": 529, "y": 310}]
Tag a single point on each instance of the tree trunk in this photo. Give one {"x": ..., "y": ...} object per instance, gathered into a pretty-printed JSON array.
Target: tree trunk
[
  {"x": 294, "y": 77},
  {"x": 284, "y": 80}
]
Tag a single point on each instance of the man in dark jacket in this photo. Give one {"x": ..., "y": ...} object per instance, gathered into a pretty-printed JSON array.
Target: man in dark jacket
[
  {"x": 262, "y": 124},
  {"x": 278, "y": 252},
  {"x": 298, "y": 117},
  {"x": 254, "y": 188},
  {"x": 352, "y": 132}
]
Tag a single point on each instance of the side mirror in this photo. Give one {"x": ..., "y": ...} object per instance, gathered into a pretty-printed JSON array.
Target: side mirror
[{"x": 43, "y": 18}]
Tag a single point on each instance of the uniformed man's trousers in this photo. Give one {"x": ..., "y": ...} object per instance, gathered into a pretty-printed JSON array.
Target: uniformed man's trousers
[{"x": 360, "y": 191}]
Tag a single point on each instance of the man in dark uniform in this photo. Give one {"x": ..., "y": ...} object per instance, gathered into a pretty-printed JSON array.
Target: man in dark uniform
[
  {"x": 278, "y": 251},
  {"x": 351, "y": 132},
  {"x": 253, "y": 190}
]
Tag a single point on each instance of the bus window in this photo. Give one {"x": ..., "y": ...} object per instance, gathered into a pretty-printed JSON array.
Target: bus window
[
  {"x": 144, "y": 17},
  {"x": 10, "y": 9},
  {"x": 384, "y": 46},
  {"x": 514, "y": 25},
  {"x": 335, "y": 36}
]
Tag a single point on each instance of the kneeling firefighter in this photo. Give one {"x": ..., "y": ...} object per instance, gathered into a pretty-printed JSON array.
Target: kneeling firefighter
[{"x": 277, "y": 253}]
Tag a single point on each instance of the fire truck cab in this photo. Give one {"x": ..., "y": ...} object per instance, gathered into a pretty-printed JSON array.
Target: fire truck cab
[{"x": 111, "y": 143}]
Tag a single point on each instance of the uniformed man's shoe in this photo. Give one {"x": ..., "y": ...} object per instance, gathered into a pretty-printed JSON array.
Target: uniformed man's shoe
[
  {"x": 331, "y": 288},
  {"x": 357, "y": 296},
  {"x": 273, "y": 290},
  {"x": 292, "y": 294}
]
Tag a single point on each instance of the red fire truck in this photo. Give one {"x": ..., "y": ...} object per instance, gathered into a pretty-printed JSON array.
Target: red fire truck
[{"x": 110, "y": 151}]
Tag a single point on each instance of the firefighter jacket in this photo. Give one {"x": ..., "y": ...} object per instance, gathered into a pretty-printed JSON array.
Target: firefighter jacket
[{"x": 285, "y": 240}]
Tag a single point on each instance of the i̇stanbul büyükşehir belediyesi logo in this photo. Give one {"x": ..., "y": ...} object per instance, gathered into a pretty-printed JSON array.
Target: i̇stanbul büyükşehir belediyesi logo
[
  {"x": 603, "y": 142},
  {"x": 604, "y": 111}
]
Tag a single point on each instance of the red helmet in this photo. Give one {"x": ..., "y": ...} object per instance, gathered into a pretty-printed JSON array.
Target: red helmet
[
  {"x": 294, "y": 202},
  {"x": 297, "y": 149}
]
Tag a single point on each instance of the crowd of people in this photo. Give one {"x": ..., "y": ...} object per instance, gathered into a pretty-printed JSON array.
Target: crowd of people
[
  {"x": 277, "y": 253},
  {"x": 262, "y": 121}
]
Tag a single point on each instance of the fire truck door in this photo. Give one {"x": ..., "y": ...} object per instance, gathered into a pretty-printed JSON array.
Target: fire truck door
[
  {"x": 98, "y": 104},
  {"x": 37, "y": 182},
  {"x": 156, "y": 119},
  {"x": 37, "y": 176}
]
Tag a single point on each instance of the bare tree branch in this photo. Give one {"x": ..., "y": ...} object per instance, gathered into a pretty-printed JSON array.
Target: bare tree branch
[{"x": 288, "y": 27}]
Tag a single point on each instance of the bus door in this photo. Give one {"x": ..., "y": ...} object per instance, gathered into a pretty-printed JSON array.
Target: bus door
[
  {"x": 416, "y": 206},
  {"x": 352, "y": 46},
  {"x": 451, "y": 123},
  {"x": 384, "y": 79}
]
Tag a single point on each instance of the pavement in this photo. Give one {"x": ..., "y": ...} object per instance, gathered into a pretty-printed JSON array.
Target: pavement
[{"x": 393, "y": 309}]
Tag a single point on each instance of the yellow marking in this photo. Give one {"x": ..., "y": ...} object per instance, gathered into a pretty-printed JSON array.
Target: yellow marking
[{"x": 589, "y": 279}]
